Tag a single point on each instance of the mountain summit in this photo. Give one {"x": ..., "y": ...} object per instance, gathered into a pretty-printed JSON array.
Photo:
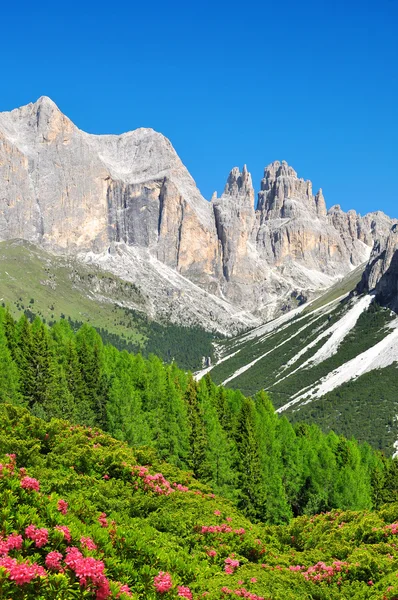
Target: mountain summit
[{"x": 127, "y": 203}]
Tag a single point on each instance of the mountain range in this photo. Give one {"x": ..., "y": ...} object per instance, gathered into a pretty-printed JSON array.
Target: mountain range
[
  {"x": 127, "y": 204},
  {"x": 108, "y": 227}
]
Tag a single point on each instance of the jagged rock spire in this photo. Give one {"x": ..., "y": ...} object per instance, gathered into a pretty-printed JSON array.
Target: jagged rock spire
[
  {"x": 280, "y": 186},
  {"x": 239, "y": 184}
]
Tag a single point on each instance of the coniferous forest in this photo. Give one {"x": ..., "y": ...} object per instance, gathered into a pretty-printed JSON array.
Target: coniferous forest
[{"x": 271, "y": 470}]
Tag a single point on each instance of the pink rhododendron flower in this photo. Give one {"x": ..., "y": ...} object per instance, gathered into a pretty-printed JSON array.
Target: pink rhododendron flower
[
  {"x": 62, "y": 506},
  {"x": 14, "y": 542},
  {"x": 88, "y": 543},
  {"x": 53, "y": 560},
  {"x": 30, "y": 483},
  {"x": 230, "y": 565},
  {"x": 162, "y": 582},
  {"x": 124, "y": 589},
  {"x": 88, "y": 569},
  {"x": 21, "y": 573},
  {"x": 65, "y": 531},
  {"x": 38, "y": 535},
  {"x": 184, "y": 592},
  {"x": 102, "y": 520},
  {"x": 217, "y": 513}
]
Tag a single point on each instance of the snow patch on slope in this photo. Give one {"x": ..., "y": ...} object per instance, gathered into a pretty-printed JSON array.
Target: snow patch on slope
[
  {"x": 383, "y": 354},
  {"x": 336, "y": 334}
]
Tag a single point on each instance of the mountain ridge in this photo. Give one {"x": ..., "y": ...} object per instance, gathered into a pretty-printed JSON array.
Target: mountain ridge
[{"x": 130, "y": 196}]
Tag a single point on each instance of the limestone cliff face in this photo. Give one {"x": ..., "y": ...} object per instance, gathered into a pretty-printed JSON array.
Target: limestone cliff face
[
  {"x": 99, "y": 196},
  {"x": 235, "y": 219},
  {"x": 283, "y": 195},
  {"x": 381, "y": 273}
]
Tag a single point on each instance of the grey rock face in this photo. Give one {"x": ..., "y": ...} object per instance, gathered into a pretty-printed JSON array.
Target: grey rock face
[
  {"x": 284, "y": 195},
  {"x": 381, "y": 273},
  {"x": 89, "y": 195}
]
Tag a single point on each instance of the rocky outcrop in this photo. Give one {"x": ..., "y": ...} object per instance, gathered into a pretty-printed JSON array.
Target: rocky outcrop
[
  {"x": 99, "y": 196},
  {"x": 381, "y": 273},
  {"x": 283, "y": 195},
  {"x": 235, "y": 219}
]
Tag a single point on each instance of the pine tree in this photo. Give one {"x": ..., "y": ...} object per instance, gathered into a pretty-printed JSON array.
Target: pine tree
[
  {"x": 220, "y": 450},
  {"x": 95, "y": 383},
  {"x": 252, "y": 495},
  {"x": 125, "y": 418},
  {"x": 9, "y": 377},
  {"x": 10, "y": 332},
  {"x": 197, "y": 435},
  {"x": 277, "y": 507},
  {"x": 25, "y": 360},
  {"x": 74, "y": 380},
  {"x": 51, "y": 397}
]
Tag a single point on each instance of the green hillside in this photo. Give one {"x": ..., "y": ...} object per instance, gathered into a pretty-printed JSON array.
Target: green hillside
[
  {"x": 292, "y": 359},
  {"x": 35, "y": 282},
  {"x": 85, "y": 516},
  {"x": 237, "y": 445}
]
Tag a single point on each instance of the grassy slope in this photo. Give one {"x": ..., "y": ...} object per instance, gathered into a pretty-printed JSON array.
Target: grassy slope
[
  {"x": 365, "y": 408},
  {"x": 51, "y": 287},
  {"x": 148, "y": 532}
]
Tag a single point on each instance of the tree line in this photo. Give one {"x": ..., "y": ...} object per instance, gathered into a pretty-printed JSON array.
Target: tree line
[{"x": 271, "y": 469}]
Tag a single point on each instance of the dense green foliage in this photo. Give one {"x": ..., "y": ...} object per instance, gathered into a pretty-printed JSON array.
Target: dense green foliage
[
  {"x": 239, "y": 446},
  {"x": 130, "y": 530}
]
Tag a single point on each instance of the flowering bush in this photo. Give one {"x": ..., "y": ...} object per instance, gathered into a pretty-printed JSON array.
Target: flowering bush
[
  {"x": 162, "y": 582},
  {"x": 140, "y": 534}
]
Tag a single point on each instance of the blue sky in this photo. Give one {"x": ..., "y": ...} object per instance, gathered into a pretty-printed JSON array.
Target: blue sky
[{"x": 311, "y": 82}]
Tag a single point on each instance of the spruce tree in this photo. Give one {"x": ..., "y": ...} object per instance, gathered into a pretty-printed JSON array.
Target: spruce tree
[
  {"x": 277, "y": 507},
  {"x": 252, "y": 495},
  {"x": 198, "y": 460},
  {"x": 9, "y": 377}
]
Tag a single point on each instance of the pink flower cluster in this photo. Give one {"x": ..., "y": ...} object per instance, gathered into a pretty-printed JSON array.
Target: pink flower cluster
[
  {"x": 102, "y": 520},
  {"x": 21, "y": 573},
  {"x": 53, "y": 561},
  {"x": 224, "y": 528},
  {"x": 157, "y": 483},
  {"x": 88, "y": 543},
  {"x": 65, "y": 531},
  {"x": 89, "y": 571},
  {"x": 242, "y": 592},
  {"x": 38, "y": 535},
  {"x": 321, "y": 572},
  {"x": 12, "y": 542},
  {"x": 184, "y": 592},
  {"x": 30, "y": 483},
  {"x": 180, "y": 488},
  {"x": 124, "y": 589},
  {"x": 230, "y": 565},
  {"x": 393, "y": 528},
  {"x": 162, "y": 582},
  {"x": 62, "y": 506}
]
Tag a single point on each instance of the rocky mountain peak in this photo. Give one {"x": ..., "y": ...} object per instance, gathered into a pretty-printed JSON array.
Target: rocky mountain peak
[
  {"x": 239, "y": 185},
  {"x": 84, "y": 194},
  {"x": 284, "y": 195}
]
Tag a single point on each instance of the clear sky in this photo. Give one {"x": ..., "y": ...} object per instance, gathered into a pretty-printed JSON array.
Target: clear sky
[{"x": 311, "y": 82}]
